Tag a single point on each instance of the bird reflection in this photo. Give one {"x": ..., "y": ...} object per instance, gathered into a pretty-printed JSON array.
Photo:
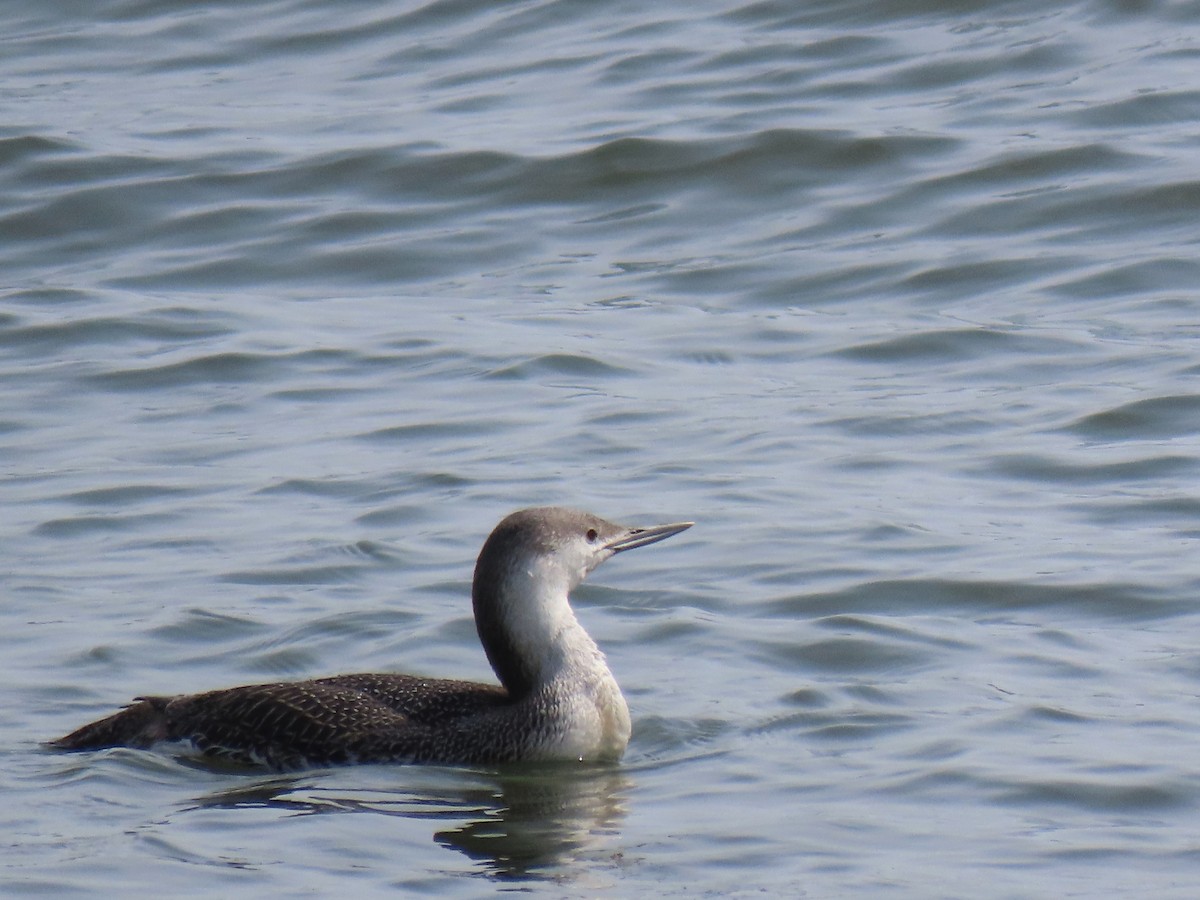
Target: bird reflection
[
  {"x": 517, "y": 822},
  {"x": 538, "y": 822}
]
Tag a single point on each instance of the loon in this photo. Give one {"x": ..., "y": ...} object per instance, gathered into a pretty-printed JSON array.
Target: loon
[{"x": 556, "y": 700}]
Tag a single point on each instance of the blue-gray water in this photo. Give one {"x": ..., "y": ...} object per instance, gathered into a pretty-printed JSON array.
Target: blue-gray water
[{"x": 898, "y": 300}]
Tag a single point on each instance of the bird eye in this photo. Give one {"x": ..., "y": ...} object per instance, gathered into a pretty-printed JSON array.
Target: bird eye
[{"x": 592, "y": 534}]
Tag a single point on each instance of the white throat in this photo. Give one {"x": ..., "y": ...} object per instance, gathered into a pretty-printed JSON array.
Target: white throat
[
  {"x": 542, "y": 626},
  {"x": 594, "y": 717}
]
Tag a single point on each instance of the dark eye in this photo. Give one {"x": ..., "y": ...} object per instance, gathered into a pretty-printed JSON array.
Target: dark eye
[{"x": 592, "y": 534}]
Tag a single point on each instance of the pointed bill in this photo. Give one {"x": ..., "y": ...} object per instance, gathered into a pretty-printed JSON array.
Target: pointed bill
[{"x": 640, "y": 537}]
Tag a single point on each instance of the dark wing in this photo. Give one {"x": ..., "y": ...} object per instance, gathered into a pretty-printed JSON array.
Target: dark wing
[
  {"x": 427, "y": 701},
  {"x": 345, "y": 718},
  {"x": 281, "y": 725}
]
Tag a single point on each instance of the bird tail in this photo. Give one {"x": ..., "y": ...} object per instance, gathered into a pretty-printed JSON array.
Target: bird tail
[{"x": 141, "y": 724}]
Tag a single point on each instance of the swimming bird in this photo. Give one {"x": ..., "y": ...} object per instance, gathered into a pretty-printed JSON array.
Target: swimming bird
[{"x": 556, "y": 700}]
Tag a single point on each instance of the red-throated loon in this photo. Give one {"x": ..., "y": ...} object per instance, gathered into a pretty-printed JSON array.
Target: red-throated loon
[{"x": 556, "y": 699}]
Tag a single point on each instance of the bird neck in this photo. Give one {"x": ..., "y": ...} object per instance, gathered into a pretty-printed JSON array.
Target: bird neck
[{"x": 529, "y": 631}]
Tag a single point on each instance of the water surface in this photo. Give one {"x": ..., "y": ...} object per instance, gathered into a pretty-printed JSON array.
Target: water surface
[{"x": 897, "y": 301}]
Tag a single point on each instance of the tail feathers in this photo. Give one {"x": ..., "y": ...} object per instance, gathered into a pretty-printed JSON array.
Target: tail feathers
[{"x": 141, "y": 724}]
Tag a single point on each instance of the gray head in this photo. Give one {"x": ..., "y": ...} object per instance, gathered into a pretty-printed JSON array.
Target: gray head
[{"x": 526, "y": 569}]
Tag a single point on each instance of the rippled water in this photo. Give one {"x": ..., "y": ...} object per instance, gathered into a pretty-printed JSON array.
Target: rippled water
[{"x": 897, "y": 300}]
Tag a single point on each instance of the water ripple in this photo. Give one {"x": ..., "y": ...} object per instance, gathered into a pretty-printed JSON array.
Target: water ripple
[
  {"x": 1156, "y": 418},
  {"x": 1100, "y": 797},
  {"x": 1131, "y": 602}
]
